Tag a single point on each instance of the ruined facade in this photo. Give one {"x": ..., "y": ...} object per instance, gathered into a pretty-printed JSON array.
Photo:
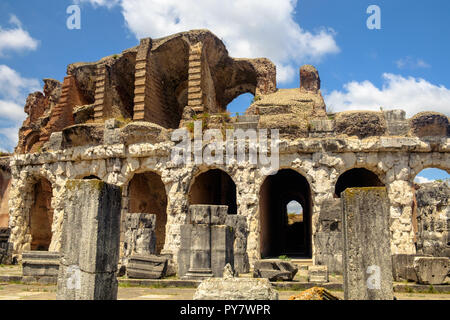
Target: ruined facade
[{"x": 112, "y": 120}]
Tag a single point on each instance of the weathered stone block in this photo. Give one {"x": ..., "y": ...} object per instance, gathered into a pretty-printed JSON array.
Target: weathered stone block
[
  {"x": 275, "y": 270},
  {"x": 221, "y": 248},
  {"x": 366, "y": 235},
  {"x": 90, "y": 241},
  {"x": 231, "y": 288},
  {"x": 5, "y": 246},
  {"x": 317, "y": 274},
  {"x": 207, "y": 244},
  {"x": 146, "y": 267},
  {"x": 431, "y": 270},
  {"x": 403, "y": 267},
  {"x": 40, "y": 263},
  {"x": 208, "y": 214},
  {"x": 239, "y": 225},
  {"x": 140, "y": 236}
]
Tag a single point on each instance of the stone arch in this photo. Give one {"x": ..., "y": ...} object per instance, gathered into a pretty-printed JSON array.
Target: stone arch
[
  {"x": 275, "y": 236},
  {"x": 30, "y": 141},
  {"x": 431, "y": 201},
  {"x": 213, "y": 186},
  {"x": 146, "y": 193},
  {"x": 356, "y": 178}
]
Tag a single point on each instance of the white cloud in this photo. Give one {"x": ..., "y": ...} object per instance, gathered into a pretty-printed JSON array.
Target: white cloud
[
  {"x": 411, "y": 94},
  {"x": 294, "y": 207},
  {"x": 420, "y": 179},
  {"x": 16, "y": 38},
  {"x": 95, "y": 3},
  {"x": 411, "y": 63},
  {"x": 13, "y": 92},
  {"x": 249, "y": 28}
]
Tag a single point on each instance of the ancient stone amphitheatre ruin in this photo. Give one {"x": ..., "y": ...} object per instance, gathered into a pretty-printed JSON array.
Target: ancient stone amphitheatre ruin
[{"x": 113, "y": 119}]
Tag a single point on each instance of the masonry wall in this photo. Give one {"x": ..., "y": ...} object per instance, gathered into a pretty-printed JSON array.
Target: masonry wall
[{"x": 118, "y": 163}]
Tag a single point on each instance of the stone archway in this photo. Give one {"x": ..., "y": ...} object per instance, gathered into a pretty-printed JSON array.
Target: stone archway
[
  {"x": 214, "y": 187},
  {"x": 41, "y": 215},
  {"x": 276, "y": 237},
  {"x": 356, "y": 178},
  {"x": 147, "y": 194}
]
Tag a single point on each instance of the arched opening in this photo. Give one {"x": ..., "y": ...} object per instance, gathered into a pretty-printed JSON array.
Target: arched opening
[
  {"x": 214, "y": 187},
  {"x": 147, "y": 194},
  {"x": 282, "y": 232},
  {"x": 41, "y": 215},
  {"x": 430, "y": 209},
  {"x": 357, "y": 178},
  {"x": 91, "y": 177},
  {"x": 240, "y": 104}
]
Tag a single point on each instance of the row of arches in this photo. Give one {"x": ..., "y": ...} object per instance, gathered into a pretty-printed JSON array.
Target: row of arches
[{"x": 285, "y": 205}]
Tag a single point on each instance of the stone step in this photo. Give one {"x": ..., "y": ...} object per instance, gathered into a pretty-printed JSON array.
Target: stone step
[
  {"x": 247, "y": 118},
  {"x": 245, "y": 125}
]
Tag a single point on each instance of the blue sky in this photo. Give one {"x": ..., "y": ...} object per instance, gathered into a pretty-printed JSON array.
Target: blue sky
[{"x": 403, "y": 65}]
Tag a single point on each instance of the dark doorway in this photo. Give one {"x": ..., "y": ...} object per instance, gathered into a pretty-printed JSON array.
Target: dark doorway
[
  {"x": 41, "y": 215},
  {"x": 147, "y": 194},
  {"x": 214, "y": 187},
  {"x": 357, "y": 178},
  {"x": 281, "y": 232}
]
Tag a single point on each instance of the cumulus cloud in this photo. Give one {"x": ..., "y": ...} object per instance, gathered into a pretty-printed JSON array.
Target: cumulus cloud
[
  {"x": 420, "y": 179},
  {"x": 249, "y": 28},
  {"x": 16, "y": 38},
  {"x": 397, "y": 92},
  {"x": 13, "y": 91}
]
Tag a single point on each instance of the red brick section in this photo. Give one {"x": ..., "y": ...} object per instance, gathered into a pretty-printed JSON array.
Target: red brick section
[
  {"x": 150, "y": 103},
  {"x": 195, "y": 100},
  {"x": 141, "y": 83},
  {"x": 100, "y": 93},
  {"x": 62, "y": 114}
]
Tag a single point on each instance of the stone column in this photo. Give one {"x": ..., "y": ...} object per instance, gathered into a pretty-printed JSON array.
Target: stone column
[
  {"x": 90, "y": 241},
  {"x": 206, "y": 232},
  {"x": 367, "y": 254}
]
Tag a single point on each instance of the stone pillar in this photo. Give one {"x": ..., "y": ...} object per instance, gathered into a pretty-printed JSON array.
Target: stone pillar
[
  {"x": 207, "y": 243},
  {"x": 367, "y": 254},
  {"x": 90, "y": 241},
  {"x": 239, "y": 225}
]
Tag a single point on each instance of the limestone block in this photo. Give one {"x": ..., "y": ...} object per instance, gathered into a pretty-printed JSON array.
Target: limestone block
[
  {"x": 275, "y": 270},
  {"x": 146, "y": 267},
  {"x": 140, "y": 237},
  {"x": 222, "y": 241},
  {"x": 40, "y": 263},
  {"x": 403, "y": 267},
  {"x": 431, "y": 270},
  {"x": 366, "y": 252},
  {"x": 239, "y": 225},
  {"x": 90, "y": 241},
  {"x": 317, "y": 273},
  {"x": 235, "y": 289}
]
